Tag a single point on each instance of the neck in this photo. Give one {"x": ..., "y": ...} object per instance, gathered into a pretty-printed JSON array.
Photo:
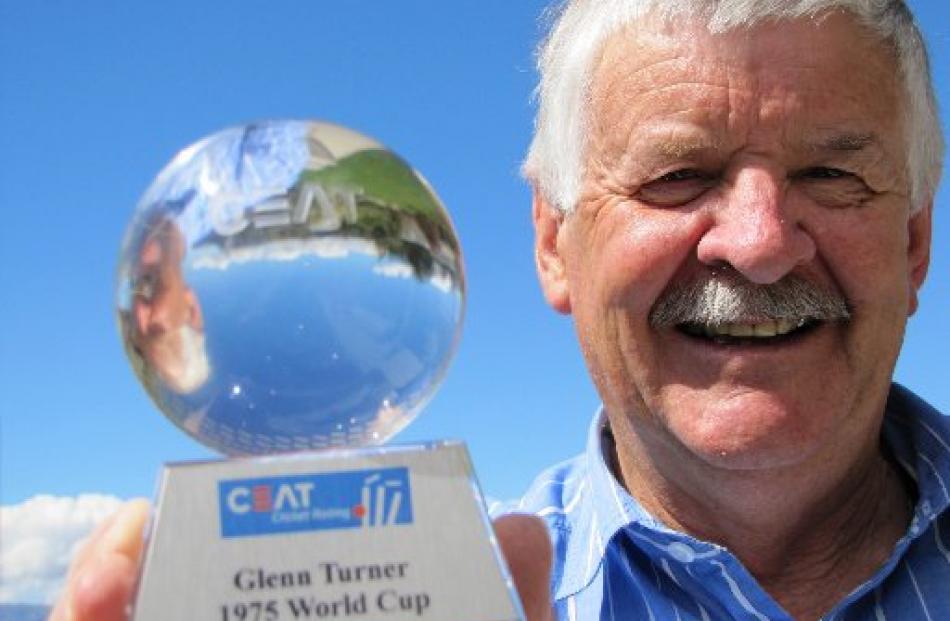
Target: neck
[{"x": 809, "y": 534}]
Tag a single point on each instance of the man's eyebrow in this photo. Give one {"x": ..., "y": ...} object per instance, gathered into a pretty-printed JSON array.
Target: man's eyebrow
[
  {"x": 847, "y": 142},
  {"x": 680, "y": 147}
]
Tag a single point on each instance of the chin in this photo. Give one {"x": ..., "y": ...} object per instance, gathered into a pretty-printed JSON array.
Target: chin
[{"x": 750, "y": 431}]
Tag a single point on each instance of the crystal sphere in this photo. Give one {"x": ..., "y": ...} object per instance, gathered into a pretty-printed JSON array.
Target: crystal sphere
[{"x": 290, "y": 285}]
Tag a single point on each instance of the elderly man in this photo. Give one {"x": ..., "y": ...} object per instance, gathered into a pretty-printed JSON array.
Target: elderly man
[
  {"x": 167, "y": 329},
  {"x": 733, "y": 199}
]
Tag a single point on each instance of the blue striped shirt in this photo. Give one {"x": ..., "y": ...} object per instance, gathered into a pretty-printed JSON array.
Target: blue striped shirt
[{"x": 613, "y": 560}]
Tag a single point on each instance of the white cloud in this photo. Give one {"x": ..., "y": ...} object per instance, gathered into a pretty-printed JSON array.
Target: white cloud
[
  {"x": 441, "y": 279},
  {"x": 332, "y": 247},
  {"x": 393, "y": 269},
  {"x": 38, "y": 537}
]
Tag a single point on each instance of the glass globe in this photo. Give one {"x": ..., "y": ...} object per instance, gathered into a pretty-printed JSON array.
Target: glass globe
[{"x": 290, "y": 285}]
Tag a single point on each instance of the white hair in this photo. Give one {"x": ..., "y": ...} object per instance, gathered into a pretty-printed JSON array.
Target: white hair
[
  {"x": 565, "y": 62},
  {"x": 188, "y": 370}
]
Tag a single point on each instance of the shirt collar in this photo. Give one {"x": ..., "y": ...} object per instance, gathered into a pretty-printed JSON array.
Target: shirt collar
[
  {"x": 604, "y": 510},
  {"x": 919, "y": 438}
]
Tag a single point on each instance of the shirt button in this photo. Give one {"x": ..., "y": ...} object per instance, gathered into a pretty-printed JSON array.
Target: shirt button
[{"x": 681, "y": 552}]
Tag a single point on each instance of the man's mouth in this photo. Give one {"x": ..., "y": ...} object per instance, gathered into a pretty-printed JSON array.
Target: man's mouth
[{"x": 751, "y": 333}]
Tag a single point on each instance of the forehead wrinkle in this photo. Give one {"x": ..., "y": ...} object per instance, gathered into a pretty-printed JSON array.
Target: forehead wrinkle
[
  {"x": 643, "y": 84},
  {"x": 637, "y": 62},
  {"x": 728, "y": 87},
  {"x": 668, "y": 125}
]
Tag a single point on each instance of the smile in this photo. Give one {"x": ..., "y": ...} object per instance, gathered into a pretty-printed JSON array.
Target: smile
[{"x": 763, "y": 332}]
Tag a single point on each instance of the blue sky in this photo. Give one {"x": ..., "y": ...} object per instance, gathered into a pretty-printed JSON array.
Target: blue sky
[{"x": 97, "y": 96}]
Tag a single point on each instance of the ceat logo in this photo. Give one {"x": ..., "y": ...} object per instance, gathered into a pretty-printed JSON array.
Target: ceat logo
[
  {"x": 377, "y": 498},
  {"x": 268, "y": 498}
]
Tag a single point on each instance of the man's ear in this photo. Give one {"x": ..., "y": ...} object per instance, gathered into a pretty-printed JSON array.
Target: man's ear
[
  {"x": 551, "y": 270},
  {"x": 919, "y": 232}
]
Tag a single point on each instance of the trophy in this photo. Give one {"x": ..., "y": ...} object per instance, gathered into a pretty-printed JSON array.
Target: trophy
[{"x": 290, "y": 294}]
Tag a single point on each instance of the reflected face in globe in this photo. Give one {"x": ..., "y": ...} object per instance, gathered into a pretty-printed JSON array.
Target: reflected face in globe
[{"x": 167, "y": 322}]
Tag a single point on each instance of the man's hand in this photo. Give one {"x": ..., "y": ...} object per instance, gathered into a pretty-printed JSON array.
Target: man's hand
[
  {"x": 102, "y": 578},
  {"x": 524, "y": 542}
]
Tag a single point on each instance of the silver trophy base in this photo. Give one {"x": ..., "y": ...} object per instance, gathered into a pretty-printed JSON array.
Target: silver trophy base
[{"x": 384, "y": 533}]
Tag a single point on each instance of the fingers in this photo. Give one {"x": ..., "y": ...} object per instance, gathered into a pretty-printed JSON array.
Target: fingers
[
  {"x": 102, "y": 578},
  {"x": 527, "y": 548}
]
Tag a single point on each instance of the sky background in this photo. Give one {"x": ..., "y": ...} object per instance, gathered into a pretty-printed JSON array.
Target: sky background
[{"x": 96, "y": 97}]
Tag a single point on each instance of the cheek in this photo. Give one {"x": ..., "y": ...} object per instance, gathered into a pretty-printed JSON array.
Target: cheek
[
  {"x": 629, "y": 258},
  {"x": 633, "y": 255},
  {"x": 867, "y": 254}
]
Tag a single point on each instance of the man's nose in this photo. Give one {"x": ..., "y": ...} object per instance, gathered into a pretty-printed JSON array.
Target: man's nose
[
  {"x": 756, "y": 231},
  {"x": 141, "y": 311}
]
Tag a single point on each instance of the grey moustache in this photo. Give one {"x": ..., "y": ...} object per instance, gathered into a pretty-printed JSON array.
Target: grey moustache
[{"x": 730, "y": 299}]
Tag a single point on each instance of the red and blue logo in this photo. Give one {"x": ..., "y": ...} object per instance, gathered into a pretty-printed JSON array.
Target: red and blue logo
[{"x": 320, "y": 501}]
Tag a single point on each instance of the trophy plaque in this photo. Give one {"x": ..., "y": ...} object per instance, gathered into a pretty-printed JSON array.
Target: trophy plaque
[{"x": 290, "y": 294}]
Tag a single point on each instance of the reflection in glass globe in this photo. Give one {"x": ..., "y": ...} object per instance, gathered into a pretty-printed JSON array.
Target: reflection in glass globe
[{"x": 290, "y": 285}]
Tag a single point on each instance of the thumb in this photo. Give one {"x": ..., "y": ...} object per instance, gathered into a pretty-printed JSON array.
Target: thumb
[
  {"x": 103, "y": 575},
  {"x": 527, "y": 548}
]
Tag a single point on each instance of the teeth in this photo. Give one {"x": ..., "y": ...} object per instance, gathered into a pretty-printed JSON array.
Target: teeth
[
  {"x": 764, "y": 329},
  {"x": 741, "y": 329}
]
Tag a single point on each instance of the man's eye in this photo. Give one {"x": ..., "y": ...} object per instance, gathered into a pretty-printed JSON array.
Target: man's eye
[
  {"x": 833, "y": 187},
  {"x": 145, "y": 285},
  {"x": 823, "y": 172},
  {"x": 680, "y": 175},
  {"x": 675, "y": 188}
]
